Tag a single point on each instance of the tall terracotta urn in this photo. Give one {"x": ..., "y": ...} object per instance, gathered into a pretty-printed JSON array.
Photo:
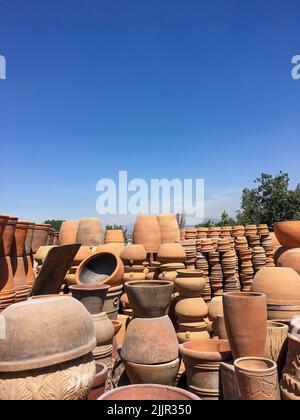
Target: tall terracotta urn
[
  {"x": 245, "y": 316},
  {"x": 8, "y": 235},
  {"x": 68, "y": 232},
  {"x": 288, "y": 233},
  {"x": 290, "y": 383},
  {"x": 147, "y": 233},
  {"x": 89, "y": 232},
  {"x": 40, "y": 236},
  {"x": 114, "y": 236},
  {"x": 133, "y": 255},
  {"x": 169, "y": 228}
]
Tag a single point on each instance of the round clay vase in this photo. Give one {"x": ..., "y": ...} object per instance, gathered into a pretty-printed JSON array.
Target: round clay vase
[
  {"x": 163, "y": 373},
  {"x": 257, "y": 379},
  {"x": 245, "y": 317},
  {"x": 37, "y": 349},
  {"x": 89, "y": 232},
  {"x": 40, "y": 236},
  {"x": 190, "y": 283},
  {"x": 8, "y": 236},
  {"x": 68, "y": 232},
  {"x": 147, "y": 233},
  {"x": 290, "y": 382},
  {"x": 144, "y": 392},
  {"x": 92, "y": 296},
  {"x": 290, "y": 258},
  {"x": 170, "y": 253},
  {"x": 98, "y": 387},
  {"x": 133, "y": 255},
  {"x": 102, "y": 267},
  {"x": 191, "y": 309},
  {"x": 288, "y": 233},
  {"x": 169, "y": 228},
  {"x": 149, "y": 299},
  {"x": 276, "y": 337},
  {"x": 202, "y": 359}
]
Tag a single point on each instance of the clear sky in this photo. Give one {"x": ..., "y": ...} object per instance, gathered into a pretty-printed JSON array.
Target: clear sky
[{"x": 160, "y": 88}]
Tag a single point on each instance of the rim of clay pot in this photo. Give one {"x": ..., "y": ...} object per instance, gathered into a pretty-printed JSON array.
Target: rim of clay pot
[
  {"x": 101, "y": 374},
  {"x": 286, "y": 222},
  {"x": 89, "y": 287},
  {"x": 195, "y": 273},
  {"x": 149, "y": 283},
  {"x": 243, "y": 294},
  {"x": 275, "y": 324},
  {"x": 114, "y": 392},
  {"x": 93, "y": 256},
  {"x": 252, "y": 364},
  {"x": 117, "y": 325},
  {"x": 218, "y": 350}
]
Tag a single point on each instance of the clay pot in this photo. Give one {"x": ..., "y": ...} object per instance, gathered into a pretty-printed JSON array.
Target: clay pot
[
  {"x": 221, "y": 328},
  {"x": 89, "y": 232},
  {"x": 191, "y": 309},
  {"x": 215, "y": 308},
  {"x": 124, "y": 319},
  {"x": 28, "y": 262},
  {"x": 149, "y": 299},
  {"x": 171, "y": 253},
  {"x": 102, "y": 267},
  {"x": 3, "y": 221},
  {"x": 202, "y": 362},
  {"x": 29, "y": 239},
  {"x": 68, "y": 232},
  {"x": 7, "y": 292},
  {"x": 147, "y": 233},
  {"x": 290, "y": 258},
  {"x": 40, "y": 236},
  {"x": 245, "y": 317},
  {"x": 59, "y": 359},
  {"x": 117, "y": 326},
  {"x": 163, "y": 373},
  {"x": 19, "y": 279},
  {"x": 144, "y": 392},
  {"x": 133, "y": 255},
  {"x": 169, "y": 228},
  {"x": 276, "y": 336},
  {"x": 134, "y": 273},
  {"x": 41, "y": 254},
  {"x": 290, "y": 383},
  {"x": 189, "y": 331},
  {"x": 98, "y": 387},
  {"x": 190, "y": 283},
  {"x": 288, "y": 233},
  {"x": 112, "y": 302},
  {"x": 55, "y": 239},
  {"x": 257, "y": 379},
  {"x": 104, "y": 333},
  {"x": 150, "y": 341},
  {"x": 92, "y": 296},
  {"x": 113, "y": 236},
  {"x": 8, "y": 235},
  {"x": 282, "y": 288},
  {"x": 83, "y": 253},
  {"x": 114, "y": 248}
]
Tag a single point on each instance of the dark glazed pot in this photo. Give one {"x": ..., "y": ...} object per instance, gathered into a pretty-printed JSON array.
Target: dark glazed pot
[{"x": 92, "y": 296}]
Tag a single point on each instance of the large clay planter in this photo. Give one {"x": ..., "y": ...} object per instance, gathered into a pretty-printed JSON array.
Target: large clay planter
[
  {"x": 190, "y": 283},
  {"x": 29, "y": 239},
  {"x": 290, "y": 258},
  {"x": 290, "y": 383},
  {"x": 98, "y": 387},
  {"x": 68, "y": 232},
  {"x": 191, "y": 309},
  {"x": 38, "y": 350},
  {"x": 113, "y": 236},
  {"x": 276, "y": 336},
  {"x": 114, "y": 248},
  {"x": 149, "y": 299},
  {"x": 7, "y": 291},
  {"x": 40, "y": 236},
  {"x": 133, "y": 255},
  {"x": 169, "y": 228},
  {"x": 288, "y": 233},
  {"x": 245, "y": 317},
  {"x": 202, "y": 362},
  {"x": 102, "y": 267},
  {"x": 282, "y": 288},
  {"x": 150, "y": 341},
  {"x": 112, "y": 302},
  {"x": 147, "y": 233},
  {"x": 170, "y": 253},
  {"x": 257, "y": 379},
  {"x": 92, "y": 296},
  {"x": 89, "y": 232},
  {"x": 41, "y": 254},
  {"x": 148, "y": 392},
  {"x": 20, "y": 279},
  {"x": 8, "y": 235},
  {"x": 163, "y": 373}
]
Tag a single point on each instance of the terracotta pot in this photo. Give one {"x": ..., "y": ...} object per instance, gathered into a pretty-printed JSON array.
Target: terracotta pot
[
  {"x": 290, "y": 258},
  {"x": 28, "y": 261},
  {"x": 98, "y": 387},
  {"x": 102, "y": 267},
  {"x": 3, "y": 221},
  {"x": 68, "y": 232},
  {"x": 149, "y": 299},
  {"x": 192, "y": 286},
  {"x": 29, "y": 238},
  {"x": 191, "y": 309},
  {"x": 290, "y": 383},
  {"x": 83, "y": 253},
  {"x": 169, "y": 228},
  {"x": 59, "y": 359},
  {"x": 150, "y": 341},
  {"x": 288, "y": 233},
  {"x": 182, "y": 234},
  {"x": 221, "y": 328},
  {"x": 189, "y": 331},
  {"x": 202, "y": 362},
  {"x": 245, "y": 317},
  {"x": 257, "y": 379},
  {"x": 163, "y": 373},
  {"x": 171, "y": 253},
  {"x": 114, "y": 248},
  {"x": 144, "y": 392},
  {"x": 7, "y": 291},
  {"x": 134, "y": 273},
  {"x": 133, "y": 254},
  {"x": 8, "y": 235},
  {"x": 40, "y": 236},
  {"x": 276, "y": 337},
  {"x": 282, "y": 288},
  {"x": 215, "y": 308},
  {"x": 112, "y": 302},
  {"x": 92, "y": 296},
  {"x": 147, "y": 233},
  {"x": 55, "y": 239},
  {"x": 114, "y": 235},
  {"x": 124, "y": 319},
  {"x": 89, "y": 232},
  {"x": 104, "y": 333},
  {"x": 41, "y": 254},
  {"x": 117, "y": 325},
  {"x": 20, "y": 279}
]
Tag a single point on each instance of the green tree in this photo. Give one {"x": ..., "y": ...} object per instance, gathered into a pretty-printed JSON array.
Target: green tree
[
  {"x": 56, "y": 224},
  {"x": 226, "y": 220}
]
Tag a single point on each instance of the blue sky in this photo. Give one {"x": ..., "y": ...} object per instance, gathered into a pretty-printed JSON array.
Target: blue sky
[{"x": 186, "y": 89}]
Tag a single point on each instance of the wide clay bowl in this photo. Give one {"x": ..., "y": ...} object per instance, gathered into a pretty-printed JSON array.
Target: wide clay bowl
[
  {"x": 150, "y": 298},
  {"x": 148, "y": 392},
  {"x": 288, "y": 233},
  {"x": 210, "y": 350}
]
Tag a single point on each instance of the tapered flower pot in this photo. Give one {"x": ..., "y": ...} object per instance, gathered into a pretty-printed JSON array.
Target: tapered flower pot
[
  {"x": 147, "y": 233},
  {"x": 20, "y": 278},
  {"x": 29, "y": 239},
  {"x": 92, "y": 296},
  {"x": 89, "y": 232},
  {"x": 3, "y": 221},
  {"x": 18, "y": 248},
  {"x": 169, "y": 228},
  {"x": 40, "y": 236},
  {"x": 8, "y": 236},
  {"x": 7, "y": 291}
]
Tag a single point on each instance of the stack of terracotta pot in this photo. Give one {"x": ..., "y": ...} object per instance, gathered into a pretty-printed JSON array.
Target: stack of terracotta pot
[
  {"x": 229, "y": 266},
  {"x": 171, "y": 258}
]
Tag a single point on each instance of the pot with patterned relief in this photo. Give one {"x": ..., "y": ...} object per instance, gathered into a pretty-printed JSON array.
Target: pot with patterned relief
[{"x": 290, "y": 382}]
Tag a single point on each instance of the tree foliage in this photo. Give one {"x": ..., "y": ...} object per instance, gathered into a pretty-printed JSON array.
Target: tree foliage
[{"x": 56, "y": 224}]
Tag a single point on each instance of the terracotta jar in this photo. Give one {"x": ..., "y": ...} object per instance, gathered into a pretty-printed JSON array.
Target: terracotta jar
[
  {"x": 190, "y": 283},
  {"x": 288, "y": 233},
  {"x": 102, "y": 267},
  {"x": 245, "y": 317},
  {"x": 41, "y": 254},
  {"x": 282, "y": 288},
  {"x": 112, "y": 302},
  {"x": 146, "y": 392},
  {"x": 28, "y": 262},
  {"x": 92, "y": 296},
  {"x": 221, "y": 328},
  {"x": 98, "y": 387},
  {"x": 40, "y": 236},
  {"x": 290, "y": 258},
  {"x": 58, "y": 360},
  {"x": 20, "y": 279},
  {"x": 89, "y": 232},
  {"x": 163, "y": 373},
  {"x": 191, "y": 309},
  {"x": 83, "y": 253},
  {"x": 189, "y": 331},
  {"x": 3, "y": 221},
  {"x": 104, "y": 333},
  {"x": 257, "y": 379},
  {"x": 147, "y": 233},
  {"x": 8, "y": 235},
  {"x": 114, "y": 248},
  {"x": 134, "y": 273},
  {"x": 29, "y": 239},
  {"x": 149, "y": 299},
  {"x": 55, "y": 239},
  {"x": 171, "y": 253},
  {"x": 113, "y": 236},
  {"x": 133, "y": 255},
  {"x": 276, "y": 336},
  {"x": 290, "y": 383},
  {"x": 7, "y": 291},
  {"x": 202, "y": 362},
  {"x": 169, "y": 228},
  {"x": 68, "y": 232}
]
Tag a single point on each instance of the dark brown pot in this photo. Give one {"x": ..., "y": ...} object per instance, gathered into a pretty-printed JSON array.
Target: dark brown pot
[
  {"x": 98, "y": 387},
  {"x": 40, "y": 236},
  {"x": 3, "y": 221},
  {"x": 92, "y": 296},
  {"x": 112, "y": 302},
  {"x": 245, "y": 316},
  {"x": 8, "y": 235},
  {"x": 149, "y": 299}
]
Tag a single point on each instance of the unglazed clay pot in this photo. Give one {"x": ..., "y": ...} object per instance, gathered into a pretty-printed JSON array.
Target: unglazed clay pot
[
  {"x": 134, "y": 273},
  {"x": 83, "y": 253},
  {"x": 221, "y": 328},
  {"x": 147, "y": 233},
  {"x": 163, "y": 373},
  {"x": 114, "y": 235},
  {"x": 104, "y": 333},
  {"x": 133, "y": 255},
  {"x": 40, "y": 236},
  {"x": 257, "y": 379},
  {"x": 89, "y": 232},
  {"x": 7, "y": 291},
  {"x": 282, "y": 288},
  {"x": 245, "y": 317},
  {"x": 102, "y": 267},
  {"x": 290, "y": 258},
  {"x": 112, "y": 302},
  {"x": 191, "y": 309},
  {"x": 169, "y": 228},
  {"x": 41, "y": 253},
  {"x": 68, "y": 232},
  {"x": 114, "y": 248},
  {"x": 18, "y": 248},
  {"x": 150, "y": 341},
  {"x": 149, "y": 299},
  {"x": 202, "y": 362},
  {"x": 290, "y": 383},
  {"x": 288, "y": 233},
  {"x": 190, "y": 283},
  {"x": 20, "y": 279},
  {"x": 8, "y": 235},
  {"x": 29, "y": 239},
  {"x": 38, "y": 350},
  {"x": 276, "y": 336},
  {"x": 171, "y": 253},
  {"x": 189, "y": 331},
  {"x": 148, "y": 392},
  {"x": 98, "y": 387},
  {"x": 92, "y": 296},
  {"x": 3, "y": 221}
]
